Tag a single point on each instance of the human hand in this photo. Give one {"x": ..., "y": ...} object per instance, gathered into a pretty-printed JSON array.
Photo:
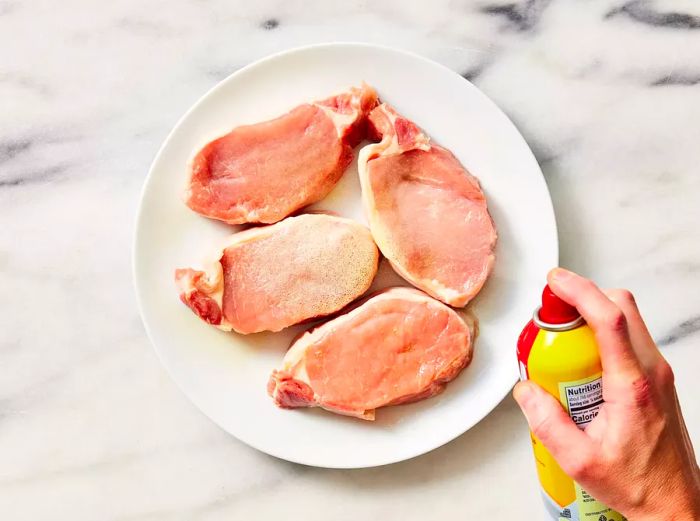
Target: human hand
[{"x": 635, "y": 456}]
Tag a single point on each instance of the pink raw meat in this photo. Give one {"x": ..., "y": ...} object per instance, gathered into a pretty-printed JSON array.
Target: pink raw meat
[
  {"x": 271, "y": 277},
  {"x": 262, "y": 173},
  {"x": 399, "y": 346},
  {"x": 427, "y": 214}
]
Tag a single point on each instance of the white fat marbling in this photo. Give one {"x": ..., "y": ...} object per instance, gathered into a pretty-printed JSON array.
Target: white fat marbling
[{"x": 607, "y": 93}]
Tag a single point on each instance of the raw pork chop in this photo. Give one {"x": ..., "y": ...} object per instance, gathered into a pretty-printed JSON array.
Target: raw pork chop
[
  {"x": 270, "y": 277},
  {"x": 397, "y": 347},
  {"x": 262, "y": 173},
  {"x": 427, "y": 214}
]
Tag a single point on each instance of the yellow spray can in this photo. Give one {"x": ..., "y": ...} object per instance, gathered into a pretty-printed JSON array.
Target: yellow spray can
[{"x": 558, "y": 351}]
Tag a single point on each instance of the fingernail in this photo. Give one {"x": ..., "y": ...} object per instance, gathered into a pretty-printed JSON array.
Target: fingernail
[{"x": 560, "y": 274}]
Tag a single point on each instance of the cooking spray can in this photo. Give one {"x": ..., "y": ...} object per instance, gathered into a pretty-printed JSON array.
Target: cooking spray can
[{"x": 558, "y": 351}]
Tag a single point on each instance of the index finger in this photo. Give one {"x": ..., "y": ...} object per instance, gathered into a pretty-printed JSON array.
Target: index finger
[{"x": 605, "y": 318}]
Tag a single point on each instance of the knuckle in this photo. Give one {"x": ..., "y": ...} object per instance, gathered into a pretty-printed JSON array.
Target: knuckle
[
  {"x": 622, "y": 296},
  {"x": 642, "y": 391},
  {"x": 664, "y": 375},
  {"x": 542, "y": 429},
  {"x": 615, "y": 320}
]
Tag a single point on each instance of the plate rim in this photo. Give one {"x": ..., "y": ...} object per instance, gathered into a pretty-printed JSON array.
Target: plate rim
[{"x": 138, "y": 290}]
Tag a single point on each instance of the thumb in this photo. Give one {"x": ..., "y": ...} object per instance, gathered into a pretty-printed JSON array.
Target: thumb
[{"x": 548, "y": 421}]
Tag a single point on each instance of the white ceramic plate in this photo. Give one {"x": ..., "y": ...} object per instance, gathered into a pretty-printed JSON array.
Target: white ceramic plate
[{"x": 225, "y": 375}]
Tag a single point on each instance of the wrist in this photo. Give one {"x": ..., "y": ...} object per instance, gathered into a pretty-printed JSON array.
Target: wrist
[{"x": 684, "y": 506}]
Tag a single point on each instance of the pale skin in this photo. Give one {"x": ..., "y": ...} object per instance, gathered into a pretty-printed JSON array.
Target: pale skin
[{"x": 636, "y": 455}]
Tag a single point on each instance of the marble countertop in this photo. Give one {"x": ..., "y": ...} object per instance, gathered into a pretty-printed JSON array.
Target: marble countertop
[{"x": 606, "y": 92}]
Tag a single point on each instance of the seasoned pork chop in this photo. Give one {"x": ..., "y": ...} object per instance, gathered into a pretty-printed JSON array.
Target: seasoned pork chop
[
  {"x": 270, "y": 277},
  {"x": 427, "y": 214},
  {"x": 264, "y": 172},
  {"x": 397, "y": 347}
]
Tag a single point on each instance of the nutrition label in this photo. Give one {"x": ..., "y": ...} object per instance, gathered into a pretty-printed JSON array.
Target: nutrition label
[{"x": 582, "y": 399}]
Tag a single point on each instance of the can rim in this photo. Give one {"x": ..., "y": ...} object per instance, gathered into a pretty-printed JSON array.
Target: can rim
[{"x": 566, "y": 326}]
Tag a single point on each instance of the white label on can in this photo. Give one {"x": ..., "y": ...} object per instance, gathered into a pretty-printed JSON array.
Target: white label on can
[{"x": 582, "y": 399}]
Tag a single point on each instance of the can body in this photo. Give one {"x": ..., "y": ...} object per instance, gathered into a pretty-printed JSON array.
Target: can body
[{"x": 566, "y": 364}]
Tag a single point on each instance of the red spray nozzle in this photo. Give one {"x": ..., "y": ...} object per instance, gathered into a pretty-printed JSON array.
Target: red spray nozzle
[{"x": 554, "y": 310}]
